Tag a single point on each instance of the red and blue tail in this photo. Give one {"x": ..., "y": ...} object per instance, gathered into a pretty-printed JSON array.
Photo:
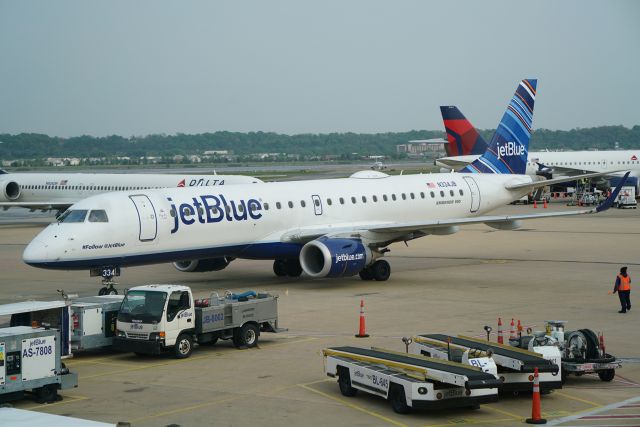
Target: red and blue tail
[
  {"x": 508, "y": 150},
  {"x": 463, "y": 138}
]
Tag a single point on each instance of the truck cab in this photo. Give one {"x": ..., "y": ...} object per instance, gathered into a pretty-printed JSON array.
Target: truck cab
[{"x": 153, "y": 317}]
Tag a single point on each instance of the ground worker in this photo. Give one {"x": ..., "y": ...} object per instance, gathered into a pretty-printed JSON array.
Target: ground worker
[{"x": 623, "y": 287}]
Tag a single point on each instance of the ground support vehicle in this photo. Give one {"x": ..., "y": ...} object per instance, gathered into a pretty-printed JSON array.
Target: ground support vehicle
[
  {"x": 411, "y": 381},
  {"x": 156, "y": 318},
  {"x": 84, "y": 323},
  {"x": 626, "y": 198},
  {"x": 582, "y": 351},
  {"x": 515, "y": 365},
  {"x": 30, "y": 360}
]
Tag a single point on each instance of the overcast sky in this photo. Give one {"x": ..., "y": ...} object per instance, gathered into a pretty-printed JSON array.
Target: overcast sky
[{"x": 137, "y": 67}]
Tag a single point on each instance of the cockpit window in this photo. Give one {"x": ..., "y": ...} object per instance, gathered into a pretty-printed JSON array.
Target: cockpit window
[
  {"x": 98, "y": 215},
  {"x": 74, "y": 215}
]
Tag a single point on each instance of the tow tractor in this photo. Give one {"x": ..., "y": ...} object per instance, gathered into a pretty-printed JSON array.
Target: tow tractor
[
  {"x": 515, "y": 365},
  {"x": 155, "y": 318},
  {"x": 412, "y": 381},
  {"x": 583, "y": 351}
]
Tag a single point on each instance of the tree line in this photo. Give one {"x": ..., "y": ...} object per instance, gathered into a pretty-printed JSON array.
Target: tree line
[{"x": 32, "y": 145}]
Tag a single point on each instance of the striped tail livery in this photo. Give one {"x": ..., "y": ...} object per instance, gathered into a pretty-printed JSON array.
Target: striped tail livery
[{"x": 508, "y": 150}]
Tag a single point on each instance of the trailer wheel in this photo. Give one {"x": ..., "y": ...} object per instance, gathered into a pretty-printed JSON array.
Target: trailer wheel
[
  {"x": 344, "y": 382},
  {"x": 47, "y": 393},
  {"x": 183, "y": 347},
  {"x": 398, "y": 399},
  {"x": 607, "y": 375}
]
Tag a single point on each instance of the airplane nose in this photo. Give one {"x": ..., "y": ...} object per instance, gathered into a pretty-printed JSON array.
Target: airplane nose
[{"x": 35, "y": 253}]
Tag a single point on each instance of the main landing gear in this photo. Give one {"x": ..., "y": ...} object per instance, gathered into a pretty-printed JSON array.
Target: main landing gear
[
  {"x": 287, "y": 267},
  {"x": 379, "y": 270}
]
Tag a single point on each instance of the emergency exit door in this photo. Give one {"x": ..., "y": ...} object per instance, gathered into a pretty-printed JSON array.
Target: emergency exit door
[
  {"x": 146, "y": 217},
  {"x": 317, "y": 204},
  {"x": 475, "y": 193}
]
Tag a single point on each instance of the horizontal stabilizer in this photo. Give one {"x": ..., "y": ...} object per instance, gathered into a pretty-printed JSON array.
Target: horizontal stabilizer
[{"x": 543, "y": 183}]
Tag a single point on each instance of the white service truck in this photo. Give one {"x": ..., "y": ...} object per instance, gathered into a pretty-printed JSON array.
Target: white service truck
[
  {"x": 156, "y": 318},
  {"x": 626, "y": 198},
  {"x": 411, "y": 381}
]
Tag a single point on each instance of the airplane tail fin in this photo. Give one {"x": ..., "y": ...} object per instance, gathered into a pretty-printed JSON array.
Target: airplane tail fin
[
  {"x": 3, "y": 172},
  {"x": 463, "y": 138},
  {"x": 508, "y": 150}
]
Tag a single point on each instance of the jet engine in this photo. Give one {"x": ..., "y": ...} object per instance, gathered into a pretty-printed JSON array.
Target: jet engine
[
  {"x": 200, "y": 265},
  {"x": 9, "y": 191},
  {"x": 327, "y": 257}
]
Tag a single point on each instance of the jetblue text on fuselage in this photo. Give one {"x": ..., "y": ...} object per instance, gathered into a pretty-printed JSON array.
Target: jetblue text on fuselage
[
  {"x": 208, "y": 208},
  {"x": 510, "y": 149}
]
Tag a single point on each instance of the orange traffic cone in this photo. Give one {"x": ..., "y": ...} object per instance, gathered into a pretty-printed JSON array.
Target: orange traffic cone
[
  {"x": 512, "y": 331},
  {"x": 362, "y": 333},
  {"x": 519, "y": 328},
  {"x": 536, "y": 417},
  {"x": 535, "y": 204},
  {"x": 545, "y": 204},
  {"x": 500, "y": 337}
]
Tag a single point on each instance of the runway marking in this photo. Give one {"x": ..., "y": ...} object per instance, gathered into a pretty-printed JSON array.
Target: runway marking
[
  {"x": 289, "y": 342},
  {"x": 64, "y": 401},
  {"x": 578, "y": 399},
  {"x": 467, "y": 421},
  {"x": 595, "y": 411},
  {"x": 353, "y": 406},
  {"x": 146, "y": 366}
]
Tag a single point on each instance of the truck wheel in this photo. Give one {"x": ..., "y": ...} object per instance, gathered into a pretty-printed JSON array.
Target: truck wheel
[
  {"x": 607, "y": 375},
  {"x": 344, "y": 382},
  {"x": 183, "y": 347},
  {"x": 398, "y": 400},
  {"x": 246, "y": 336},
  {"x": 381, "y": 270},
  {"x": 47, "y": 393}
]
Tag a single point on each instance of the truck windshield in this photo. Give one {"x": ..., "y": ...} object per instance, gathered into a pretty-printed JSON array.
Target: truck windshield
[{"x": 145, "y": 306}]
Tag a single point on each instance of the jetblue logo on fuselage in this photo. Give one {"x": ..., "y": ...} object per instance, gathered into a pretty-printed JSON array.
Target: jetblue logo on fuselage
[
  {"x": 510, "y": 149},
  {"x": 209, "y": 208}
]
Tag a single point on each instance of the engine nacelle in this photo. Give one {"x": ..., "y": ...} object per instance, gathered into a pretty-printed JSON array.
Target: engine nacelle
[
  {"x": 201, "y": 265},
  {"x": 9, "y": 190},
  {"x": 326, "y": 257}
]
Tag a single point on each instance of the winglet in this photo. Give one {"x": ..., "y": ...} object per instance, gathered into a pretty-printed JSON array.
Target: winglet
[{"x": 609, "y": 200}]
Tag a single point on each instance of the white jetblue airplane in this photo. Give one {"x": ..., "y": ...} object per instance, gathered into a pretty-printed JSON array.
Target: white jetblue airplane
[
  {"x": 46, "y": 191},
  {"x": 326, "y": 228},
  {"x": 465, "y": 145}
]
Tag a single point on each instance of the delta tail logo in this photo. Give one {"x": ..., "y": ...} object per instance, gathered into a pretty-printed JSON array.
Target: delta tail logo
[
  {"x": 634, "y": 157},
  {"x": 181, "y": 183}
]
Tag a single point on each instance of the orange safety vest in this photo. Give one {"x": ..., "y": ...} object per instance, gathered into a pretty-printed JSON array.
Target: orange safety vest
[{"x": 625, "y": 283}]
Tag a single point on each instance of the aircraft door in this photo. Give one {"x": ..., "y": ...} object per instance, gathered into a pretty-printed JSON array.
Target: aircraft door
[
  {"x": 475, "y": 193},
  {"x": 146, "y": 217},
  {"x": 317, "y": 204}
]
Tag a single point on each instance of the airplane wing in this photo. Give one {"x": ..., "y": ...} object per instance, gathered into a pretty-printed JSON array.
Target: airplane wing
[
  {"x": 452, "y": 163},
  {"x": 35, "y": 206},
  {"x": 386, "y": 233},
  {"x": 543, "y": 183}
]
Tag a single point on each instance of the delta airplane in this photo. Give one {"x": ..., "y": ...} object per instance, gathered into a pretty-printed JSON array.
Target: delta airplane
[
  {"x": 325, "y": 228},
  {"x": 47, "y": 191},
  {"x": 466, "y": 145}
]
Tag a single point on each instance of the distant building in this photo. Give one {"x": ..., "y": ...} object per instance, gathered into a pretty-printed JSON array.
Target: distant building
[
  {"x": 419, "y": 148},
  {"x": 217, "y": 152}
]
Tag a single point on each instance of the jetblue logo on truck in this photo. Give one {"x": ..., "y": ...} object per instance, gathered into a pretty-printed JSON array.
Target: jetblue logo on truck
[
  {"x": 209, "y": 208},
  {"x": 509, "y": 149}
]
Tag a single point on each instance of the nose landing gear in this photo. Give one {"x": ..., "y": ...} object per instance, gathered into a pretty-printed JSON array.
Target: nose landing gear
[{"x": 107, "y": 274}]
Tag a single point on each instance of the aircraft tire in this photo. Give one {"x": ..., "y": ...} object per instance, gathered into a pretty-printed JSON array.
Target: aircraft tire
[
  {"x": 103, "y": 291},
  {"x": 366, "y": 274},
  {"x": 381, "y": 270},
  {"x": 293, "y": 268},
  {"x": 279, "y": 268}
]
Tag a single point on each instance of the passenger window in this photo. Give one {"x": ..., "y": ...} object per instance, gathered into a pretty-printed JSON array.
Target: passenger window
[
  {"x": 329, "y": 202},
  {"x": 172, "y": 212},
  {"x": 451, "y": 192},
  {"x": 441, "y": 193},
  {"x": 461, "y": 192},
  {"x": 278, "y": 205},
  {"x": 303, "y": 203},
  {"x": 341, "y": 201},
  {"x": 364, "y": 199},
  {"x": 266, "y": 206},
  {"x": 404, "y": 196},
  {"x": 422, "y": 194},
  {"x": 353, "y": 200},
  {"x": 413, "y": 196},
  {"x": 316, "y": 202},
  {"x": 393, "y": 197},
  {"x": 384, "y": 197},
  {"x": 240, "y": 208},
  {"x": 98, "y": 216},
  {"x": 375, "y": 198},
  {"x": 290, "y": 204}
]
